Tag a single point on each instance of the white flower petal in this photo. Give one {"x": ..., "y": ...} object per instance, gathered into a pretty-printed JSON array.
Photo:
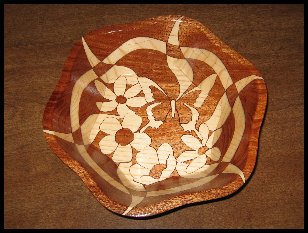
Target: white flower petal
[
  {"x": 131, "y": 79},
  {"x": 145, "y": 84},
  {"x": 191, "y": 141},
  {"x": 147, "y": 157},
  {"x": 106, "y": 106},
  {"x": 141, "y": 141},
  {"x": 104, "y": 91},
  {"x": 132, "y": 122},
  {"x": 171, "y": 164},
  {"x": 137, "y": 171},
  {"x": 163, "y": 152},
  {"x": 123, "y": 110},
  {"x": 201, "y": 172},
  {"x": 108, "y": 144},
  {"x": 110, "y": 126},
  {"x": 133, "y": 91},
  {"x": 197, "y": 163},
  {"x": 204, "y": 131},
  {"x": 136, "y": 102},
  {"x": 126, "y": 178},
  {"x": 187, "y": 155},
  {"x": 120, "y": 86},
  {"x": 214, "y": 153},
  {"x": 122, "y": 154},
  {"x": 181, "y": 169},
  {"x": 213, "y": 138},
  {"x": 147, "y": 180}
]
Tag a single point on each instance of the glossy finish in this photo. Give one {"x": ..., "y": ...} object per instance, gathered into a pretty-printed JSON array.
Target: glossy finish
[{"x": 156, "y": 114}]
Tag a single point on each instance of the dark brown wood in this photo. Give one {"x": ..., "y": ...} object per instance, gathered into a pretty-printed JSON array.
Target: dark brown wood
[{"x": 267, "y": 163}]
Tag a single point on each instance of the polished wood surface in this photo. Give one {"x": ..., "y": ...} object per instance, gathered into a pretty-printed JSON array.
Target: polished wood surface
[
  {"x": 13, "y": 151},
  {"x": 142, "y": 90}
]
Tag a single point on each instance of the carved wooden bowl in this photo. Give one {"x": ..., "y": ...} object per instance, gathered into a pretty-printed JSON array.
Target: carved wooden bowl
[{"x": 156, "y": 114}]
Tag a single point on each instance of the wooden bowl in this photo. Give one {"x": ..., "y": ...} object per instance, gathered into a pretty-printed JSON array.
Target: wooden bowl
[{"x": 156, "y": 114}]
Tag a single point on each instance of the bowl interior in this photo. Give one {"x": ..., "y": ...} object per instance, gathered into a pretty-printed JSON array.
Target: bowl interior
[{"x": 155, "y": 112}]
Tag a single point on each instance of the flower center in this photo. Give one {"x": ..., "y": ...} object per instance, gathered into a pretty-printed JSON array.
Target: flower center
[
  {"x": 157, "y": 170},
  {"x": 202, "y": 150},
  {"x": 121, "y": 99},
  {"x": 124, "y": 136}
]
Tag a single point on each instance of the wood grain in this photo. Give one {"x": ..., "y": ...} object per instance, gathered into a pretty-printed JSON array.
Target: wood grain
[
  {"x": 151, "y": 161},
  {"x": 31, "y": 165}
]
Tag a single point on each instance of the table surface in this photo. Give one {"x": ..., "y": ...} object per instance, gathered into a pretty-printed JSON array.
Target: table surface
[{"x": 41, "y": 192}]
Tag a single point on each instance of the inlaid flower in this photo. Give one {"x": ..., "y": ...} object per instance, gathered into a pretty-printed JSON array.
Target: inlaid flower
[
  {"x": 122, "y": 136},
  {"x": 153, "y": 166},
  {"x": 121, "y": 98},
  {"x": 194, "y": 160}
]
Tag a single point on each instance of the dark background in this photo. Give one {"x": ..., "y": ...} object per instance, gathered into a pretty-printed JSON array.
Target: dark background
[{"x": 41, "y": 192}]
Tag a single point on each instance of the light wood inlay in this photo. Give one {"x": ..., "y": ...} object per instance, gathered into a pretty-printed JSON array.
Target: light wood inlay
[
  {"x": 162, "y": 133},
  {"x": 239, "y": 127},
  {"x": 80, "y": 85},
  {"x": 67, "y": 137},
  {"x": 212, "y": 60},
  {"x": 134, "y": 44},
  {"x": 93, "y": 60},
  {"x": 96, "y": 168}
]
